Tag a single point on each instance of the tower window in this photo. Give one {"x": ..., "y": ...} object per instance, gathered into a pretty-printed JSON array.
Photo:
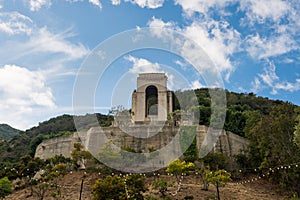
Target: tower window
[{"x": 151, "y": 100}]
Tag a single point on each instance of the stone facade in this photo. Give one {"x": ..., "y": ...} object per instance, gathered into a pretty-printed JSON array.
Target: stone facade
[
  {"x": 151, "y": 101},
  {"x": 57, "y": 146},
  {"x": 228, "y": 142}
]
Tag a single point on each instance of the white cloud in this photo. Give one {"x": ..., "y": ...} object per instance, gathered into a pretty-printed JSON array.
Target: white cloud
[
  {"x": 183, "y": 65},
  {"x": 22, "y": 91},
  {"x": 35, "y": 5},
  {"x": 171, "y": 81},
  {"x": 288, "y": 60},
  {"x": 218, "y": 40},
  {"x": 256, "y": 85},
  {"x": 147, "y": 3},
  {"x": 115, "y": 2},
  {"x": 25, "y": 97},
  {"x": 43, "y": 47},
  {"x": 15, "y": 23},
  {"x": 280, "y": 17},
  {"x": 141, "y": 65},
  {"x": 269, "y": 79},
  {"x": 291, "y": 87},
  {"x": 279, "y": 22},
  {"x": 261, "y": 10},
  {"x": 262, "y": 48},
  {"x": 96, "y": 3},
  {"x": 196, "y": 85},
  {"x": 201, "y": 6},
  {"x": 161, "y": 29},
  {"x": 45, "y": 41},
  {"x": 25, "y": 87},
  {"x": 270, "y": 76}
]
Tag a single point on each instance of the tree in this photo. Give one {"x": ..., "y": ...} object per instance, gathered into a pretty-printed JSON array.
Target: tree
[
  {"x": 5, "y": 187},
  {"x": 218, "y": 178},
  {"x": 178, "y": 168},
  {"x": 162, "y": 186},
  {"x": 39, "y": 190},
  {"x": 297, "y": 132},
  {"x": 235, "y": 120},
  {"x": 35, "y": 142},
  {"x": 201, "y": 170},
  {"x": 41, "y": 187},
  {"x": 188, "y": 143},
  {"x": 28, "y": 166},
  {"x": 272, "y": 144},
  {"x": 135, "y": 186},
  {"x": 57, "y": 159},
  {"x": 115, "y": 110},
  {"x": 215, "y": 161},
  {"x": 80, "y": 155},
  {"x": 112, "y": 187},
  {"x": 56, "y": 173}
]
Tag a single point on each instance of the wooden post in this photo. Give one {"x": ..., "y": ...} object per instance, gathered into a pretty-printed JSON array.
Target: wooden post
[
  {"x": 81, "y": 187},
  {"x": 218, "y": 193}
]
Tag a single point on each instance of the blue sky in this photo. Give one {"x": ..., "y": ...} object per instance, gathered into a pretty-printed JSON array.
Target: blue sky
[{"x": 43, "y": 43}]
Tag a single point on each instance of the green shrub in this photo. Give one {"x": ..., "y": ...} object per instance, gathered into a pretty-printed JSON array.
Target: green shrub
[
  {"x": 135, "y": 187},
  {"x": 5, "y": 187},
  {"x": 112, "y": 187}
]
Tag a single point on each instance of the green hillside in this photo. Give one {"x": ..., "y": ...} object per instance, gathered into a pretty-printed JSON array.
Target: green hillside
[
  {"x": 272, "y": 128},
  {"x": 7, "y": 132},
  {"x": 240, "y": 108},
  {"x": 26, "y": 142}
]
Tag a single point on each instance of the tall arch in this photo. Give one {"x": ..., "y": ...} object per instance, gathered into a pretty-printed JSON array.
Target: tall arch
[{"x": 151, "y": 100}]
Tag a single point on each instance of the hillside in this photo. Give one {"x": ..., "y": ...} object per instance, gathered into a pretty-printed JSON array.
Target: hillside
[
  {"x": 191, "y": 186},
  {"x": 272, "y": 128},
  {"x": 26, "y": 142},
  {"x": 7, "y": 132},
  {"x": 239, "y": 108}
]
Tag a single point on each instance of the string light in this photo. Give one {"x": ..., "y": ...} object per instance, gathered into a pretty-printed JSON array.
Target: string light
[{"x": 270, "y": 170}]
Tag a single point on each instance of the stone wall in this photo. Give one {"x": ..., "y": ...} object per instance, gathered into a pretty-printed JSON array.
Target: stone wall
[
  {"x": 157, "y": 137},
  {"x": 56, "y": 146}
]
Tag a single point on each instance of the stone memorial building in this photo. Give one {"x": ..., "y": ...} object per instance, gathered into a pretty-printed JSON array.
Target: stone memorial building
[{"x": 151, "y": 101}]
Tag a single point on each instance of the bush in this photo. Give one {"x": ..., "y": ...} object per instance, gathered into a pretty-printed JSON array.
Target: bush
[
  {"x": 112, "y": 187},
  {"x": 135, "y": 187},
  {"x": 5, "y": 187},
  {"x": 161, "y": 185}
]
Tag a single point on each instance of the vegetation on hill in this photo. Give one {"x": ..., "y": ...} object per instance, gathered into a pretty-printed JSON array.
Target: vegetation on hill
[
  {"x": 26, "y": 142},
  {"x": 271, "y": 126},
  {"x": 7, "y": 132},
  {"x": 239, "y": 107}
]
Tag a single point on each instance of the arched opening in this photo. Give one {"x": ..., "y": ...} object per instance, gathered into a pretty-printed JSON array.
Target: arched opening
[{"x": 151, "y": 100}]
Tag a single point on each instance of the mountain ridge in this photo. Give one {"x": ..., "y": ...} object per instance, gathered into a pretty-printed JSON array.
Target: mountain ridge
[{"x": 7, "y": 132}]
